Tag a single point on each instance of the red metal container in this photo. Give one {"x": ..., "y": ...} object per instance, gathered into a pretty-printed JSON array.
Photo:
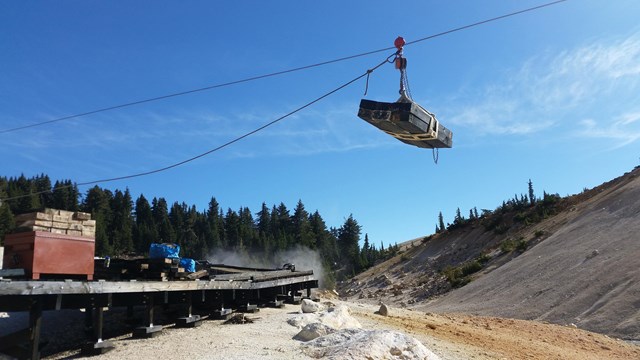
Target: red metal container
[{"x": 40, "y": 252}]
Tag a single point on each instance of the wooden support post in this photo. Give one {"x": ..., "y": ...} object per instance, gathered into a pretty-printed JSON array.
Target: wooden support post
[
  {"x": 35, "y": 325},
  {"x": 275, "y": 303},
  {"x": 148, "y": 330},
  {"x": 222, "y": 313},
  {"x": 187, "y": 319},
  {"x": 25, "y": 343},
  {"x": 96, "y": 345}
]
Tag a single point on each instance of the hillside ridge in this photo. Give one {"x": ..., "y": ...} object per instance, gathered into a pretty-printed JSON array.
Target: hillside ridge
[{"x": 572, "y": 260}]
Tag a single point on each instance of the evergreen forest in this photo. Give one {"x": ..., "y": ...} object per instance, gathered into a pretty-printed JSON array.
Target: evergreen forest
[{"x": 127, "y": 227}]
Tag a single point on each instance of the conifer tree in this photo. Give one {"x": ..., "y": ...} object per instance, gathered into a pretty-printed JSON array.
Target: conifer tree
[
  {"x": 458, "y": 219},
  {"x": 232, "y": 230},
  {"x": 98, "y": 203},
  {"x": 160, "y": 211},
  {"x": 348, "y": 239},
  {"x": 532, "y": 198},
  {"x": 120, "y": 231},
  {"x": 214, "y": 223},
  {"x": 7, "y": 222},
  {"x": 301, "y": 228},
  {"x": 440, "y": 221},
  {"x": 145, "y": 231},
  {"x": 265, "y": 234},
  {"x": 42, "y": 185}
]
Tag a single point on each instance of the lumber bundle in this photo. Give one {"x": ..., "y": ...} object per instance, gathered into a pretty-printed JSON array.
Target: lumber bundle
[
  {"x": 157, "y": 269},
  {"x": 55, "y": 221}
]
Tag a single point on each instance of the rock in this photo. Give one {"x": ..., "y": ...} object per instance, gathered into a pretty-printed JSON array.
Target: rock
[
  {"x": 303, "y": 320},
  {"x": 338, "y": 317},
  {"x": 384, "y": 311},
  {"x": 309, "y": 306},
  {"x": 380, "y": 344},
  {"x": 313, "y": 331}
]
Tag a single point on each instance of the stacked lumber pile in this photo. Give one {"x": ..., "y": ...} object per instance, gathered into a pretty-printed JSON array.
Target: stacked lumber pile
[
  {"x": 160, "y": 269},
  {"x": 55, "y": 221}
]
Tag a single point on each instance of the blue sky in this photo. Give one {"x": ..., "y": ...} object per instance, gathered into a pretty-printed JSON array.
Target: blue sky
[{"x": 549, "y": 95}]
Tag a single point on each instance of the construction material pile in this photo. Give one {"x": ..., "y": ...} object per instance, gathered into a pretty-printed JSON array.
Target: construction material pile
[
  {"x": 55, "y": 221},
  {"x": 159, "y": 269}
]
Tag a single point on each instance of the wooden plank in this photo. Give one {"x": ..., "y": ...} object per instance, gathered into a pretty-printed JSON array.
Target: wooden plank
[
  {"x": 105, "y": 287},
  {"x": 81, "y": 216},
  {"x": 198, "y": 274}
]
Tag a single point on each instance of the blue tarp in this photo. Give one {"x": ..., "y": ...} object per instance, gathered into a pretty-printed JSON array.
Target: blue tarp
[
  {"x": 189, "y": 265},
  {"x": 160, "y": 251}
]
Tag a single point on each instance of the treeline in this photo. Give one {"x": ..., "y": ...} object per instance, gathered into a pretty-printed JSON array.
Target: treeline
[
  {"x": 525, "y": 208},
  {"x": 126, "y": 227}
]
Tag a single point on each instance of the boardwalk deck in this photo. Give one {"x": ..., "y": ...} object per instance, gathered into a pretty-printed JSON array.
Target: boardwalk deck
[{"x": 232, "y": 288}]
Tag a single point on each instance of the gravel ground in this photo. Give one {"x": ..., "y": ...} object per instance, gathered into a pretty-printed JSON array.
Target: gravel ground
[{"x": 450, "y": 336}]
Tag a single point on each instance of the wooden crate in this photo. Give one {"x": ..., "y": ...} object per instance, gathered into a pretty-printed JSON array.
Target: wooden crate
[{"x": 41, "y": 252}]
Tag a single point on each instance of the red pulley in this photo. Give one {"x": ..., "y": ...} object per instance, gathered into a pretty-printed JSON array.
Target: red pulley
[{"x": 399, "y": 43}]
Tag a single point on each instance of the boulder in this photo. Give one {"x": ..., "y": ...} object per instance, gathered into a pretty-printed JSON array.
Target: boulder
[
  {"x": 384, "y": 311},
  {"x": 338, "y": 317},
  {"x": 303, "y": 320},
  {"x": 309, "y": 306},
  {"x": 380, "y": 344},
  {"x": 313, "y": 331}
]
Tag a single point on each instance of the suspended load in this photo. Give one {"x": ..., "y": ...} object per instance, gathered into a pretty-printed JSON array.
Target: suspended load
[{"x": 405, "y": 119}]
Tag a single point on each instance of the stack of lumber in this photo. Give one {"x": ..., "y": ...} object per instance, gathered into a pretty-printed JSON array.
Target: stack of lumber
[
  {"x": 161, "y": 269},
  {"x": 55, "y": 221}
]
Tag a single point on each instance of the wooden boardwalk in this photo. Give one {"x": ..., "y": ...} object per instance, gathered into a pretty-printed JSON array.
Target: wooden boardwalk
[{"x": 231, "y": 289}]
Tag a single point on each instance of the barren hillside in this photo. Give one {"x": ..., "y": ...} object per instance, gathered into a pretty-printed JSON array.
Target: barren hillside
[{"x": 578, "y": 264}]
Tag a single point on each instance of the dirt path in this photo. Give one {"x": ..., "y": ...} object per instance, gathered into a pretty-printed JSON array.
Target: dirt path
[
  {"x": 461, "y": 336},
  {"x": 451, "y": 336}
]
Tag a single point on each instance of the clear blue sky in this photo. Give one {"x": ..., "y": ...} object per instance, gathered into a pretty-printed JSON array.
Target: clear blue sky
[{"x": 550, "y": 95}]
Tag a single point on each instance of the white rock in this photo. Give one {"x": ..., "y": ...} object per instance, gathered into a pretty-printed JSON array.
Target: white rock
[
  {"x": 303, "y": 320},
  {"x": 313, "y": 331},
  {"x": 339, "y": 317},
  {"x": 380, "y": 344},
  {"x": 309, "y": 306}
]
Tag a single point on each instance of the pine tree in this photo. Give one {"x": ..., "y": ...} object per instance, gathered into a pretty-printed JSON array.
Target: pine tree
[
  {"x": 324, "y": 239},
  {"x": 7, "y": 222},
  {"x": 65, "y": 195},
  {"x": 532, "y": 198},
  {"x": 145, "y": 231},
  {"x": 22, "y": 188},
  {"x": 97, "y": 202},
  {"x": 121, "y": 229},
  {"x": 458, "y": 220},
  {"x": 366, "y": 253},
  {"x": 348, "y": 244},
  {"x": 215, "y": 225},
  {"x": 232, "y": 230},
  {"x": 176, "y": 218},
  {"x": 160, "y": 211},
  {"x": 301, "y": 228},
  {"x": 42, "y": 185},
  {"x": 441, "y": 221},
  {"x": 246, "y": 230}
]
